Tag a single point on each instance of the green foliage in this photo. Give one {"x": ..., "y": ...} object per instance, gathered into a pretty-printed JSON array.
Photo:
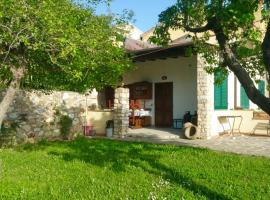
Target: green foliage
[
  {"x": 106, "y": 169},
  {"x": 236, "y": 19},
  {"x": 8, "y": 128},
  {"x": 62, "y": 44},
  {"x": 8, "y": 134},
  {"x": 65, "y": 123},
  {"x": 109, "y": 124}
]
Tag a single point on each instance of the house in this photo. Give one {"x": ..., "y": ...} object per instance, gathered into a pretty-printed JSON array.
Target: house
[
  {"x": 178, "y": 83},
  {"x": 167, "y": 83}
]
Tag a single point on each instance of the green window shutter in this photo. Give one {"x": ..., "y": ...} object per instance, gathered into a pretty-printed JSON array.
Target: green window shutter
[
  {"x": 261, "y": 87},
  {"x": 217, "y": 96},
  {"x": 244, "y": 100},
  {"x": 221, "y": 95}
]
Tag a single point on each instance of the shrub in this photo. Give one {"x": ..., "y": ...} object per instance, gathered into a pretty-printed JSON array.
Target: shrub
[{"x": 65, "y": 125}]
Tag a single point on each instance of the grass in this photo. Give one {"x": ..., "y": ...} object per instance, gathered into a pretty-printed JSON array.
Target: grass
[{"x": 106, "y": 169}]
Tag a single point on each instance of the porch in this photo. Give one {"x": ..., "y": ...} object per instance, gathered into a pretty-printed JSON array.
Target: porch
[
  {"x": 164, "y": 84},
  {"x": 239, "y": 143},
  {"x": 156, "y": 133}
]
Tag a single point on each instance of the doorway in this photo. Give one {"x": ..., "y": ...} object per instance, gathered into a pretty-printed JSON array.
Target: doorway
[{"x": 164, "y": 104}]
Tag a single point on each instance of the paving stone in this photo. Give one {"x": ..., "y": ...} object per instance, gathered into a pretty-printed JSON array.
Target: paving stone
[{"x": 240, "y": 144}]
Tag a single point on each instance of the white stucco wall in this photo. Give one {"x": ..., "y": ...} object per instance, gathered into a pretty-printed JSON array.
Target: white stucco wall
[
  {"x": 133, "y": 32},
  {"x": 247, "y": 125},
  {"x": 248, "y": 122},
  {"x": 181, "y": 71}
]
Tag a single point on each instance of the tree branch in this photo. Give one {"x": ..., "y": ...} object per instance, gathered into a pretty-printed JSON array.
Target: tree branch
[
  {"x": 6, "y": 27},
  {"x": 10, "y": 46},
  {"x": 197, "y": 29},
  {"x": 234, "y": 65},
  {"x": 266, "y": 49},
  {"x": 201, "y": 29}
]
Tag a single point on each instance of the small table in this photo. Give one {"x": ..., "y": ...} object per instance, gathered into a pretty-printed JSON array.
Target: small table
[{"x": 227, "y": 118}]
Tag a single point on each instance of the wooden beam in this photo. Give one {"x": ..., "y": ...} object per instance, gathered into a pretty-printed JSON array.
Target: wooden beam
[{"x": 162, "y": 54}]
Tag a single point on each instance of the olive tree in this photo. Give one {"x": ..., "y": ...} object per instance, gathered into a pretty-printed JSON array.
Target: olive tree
[
  {"x": 242, "y": 35},
  {"x": 57, "y": 45}
]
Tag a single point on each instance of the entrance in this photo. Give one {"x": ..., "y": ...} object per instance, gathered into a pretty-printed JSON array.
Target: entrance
[{"x": 164, "y": 104}]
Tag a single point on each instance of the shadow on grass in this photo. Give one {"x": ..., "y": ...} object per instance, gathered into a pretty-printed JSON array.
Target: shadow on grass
[{"x": 120, "y": 155}]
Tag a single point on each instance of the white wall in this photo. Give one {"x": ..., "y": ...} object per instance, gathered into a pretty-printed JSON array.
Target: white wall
[
  {"x": 181, "y": 71},
  {"x": 231, "y": 91},
  {"x": 133, "y": 32},
  {"x": 248, "y": 123}
]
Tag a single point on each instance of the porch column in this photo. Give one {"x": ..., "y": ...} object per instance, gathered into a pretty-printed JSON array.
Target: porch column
[
  {"x": 121, "y": 111},
  {"x": 205, "y": 99}
]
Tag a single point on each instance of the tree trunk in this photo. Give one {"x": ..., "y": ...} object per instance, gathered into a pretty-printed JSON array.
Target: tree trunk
[
  {"x": 234, "y": 65},
  {"x": 10, "y": 93}
]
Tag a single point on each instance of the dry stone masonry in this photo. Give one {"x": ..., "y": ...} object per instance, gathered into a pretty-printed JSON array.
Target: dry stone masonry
[
  {"x": 121, "y": 111},
  {"x": 205, "y": 95},
  {"x": 35, "y": 113}
]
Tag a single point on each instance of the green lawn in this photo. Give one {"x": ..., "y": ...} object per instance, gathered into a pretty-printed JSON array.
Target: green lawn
[{"x": 106, "y": 169}]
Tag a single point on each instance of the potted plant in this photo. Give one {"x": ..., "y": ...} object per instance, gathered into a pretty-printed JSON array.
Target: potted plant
[{"x": 109, "y": 128}]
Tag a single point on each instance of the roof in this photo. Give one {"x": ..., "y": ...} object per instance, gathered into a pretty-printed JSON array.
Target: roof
[
  {"x": 134, "y": 45},
  {"x": 173, "y": 50}
]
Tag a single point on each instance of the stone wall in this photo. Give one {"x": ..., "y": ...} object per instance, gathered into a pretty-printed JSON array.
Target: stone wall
[
  {"x": 205, "y": 95},
  {"x": 121, "y": 111},
  {"x": 36, "y": 115}
]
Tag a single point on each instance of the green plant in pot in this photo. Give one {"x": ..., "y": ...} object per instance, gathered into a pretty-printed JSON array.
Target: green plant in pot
[{"x": 109, "y": 128}]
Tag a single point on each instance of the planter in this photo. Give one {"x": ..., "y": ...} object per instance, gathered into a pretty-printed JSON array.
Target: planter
[
  {"x": 191, "y": 131},
  {"x": 109, "y": 128},
  {"x": 88, "y": 130},
  {"x": 109, "y": 132}
]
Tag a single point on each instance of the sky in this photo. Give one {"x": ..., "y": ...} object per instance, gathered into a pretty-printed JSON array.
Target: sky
[{"x": 146, "y": 11}]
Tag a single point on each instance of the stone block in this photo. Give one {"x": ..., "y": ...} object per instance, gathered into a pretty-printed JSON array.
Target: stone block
[{"x": 13, "y": 115}]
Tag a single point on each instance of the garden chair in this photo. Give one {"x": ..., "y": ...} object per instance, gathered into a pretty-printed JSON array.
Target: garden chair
[{"x": 262, "y": 126}]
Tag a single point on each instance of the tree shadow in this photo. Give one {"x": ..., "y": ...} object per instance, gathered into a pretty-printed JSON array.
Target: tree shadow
[{"x": 119, "y": 156}]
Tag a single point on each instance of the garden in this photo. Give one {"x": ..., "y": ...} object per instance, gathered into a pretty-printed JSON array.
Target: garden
[{"x": 108, "y": 169}]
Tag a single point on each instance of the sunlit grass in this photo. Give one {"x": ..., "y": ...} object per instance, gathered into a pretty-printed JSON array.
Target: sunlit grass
[{"x": 106, "y": 169}]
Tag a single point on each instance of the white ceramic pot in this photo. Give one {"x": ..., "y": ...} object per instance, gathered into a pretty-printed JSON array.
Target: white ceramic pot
[{"x": 109, "y": 132}]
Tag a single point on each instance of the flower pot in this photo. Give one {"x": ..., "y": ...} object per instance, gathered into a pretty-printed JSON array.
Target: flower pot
[
  {"x": 109, "y": 132},
  {"x": 88, "y": 130}
]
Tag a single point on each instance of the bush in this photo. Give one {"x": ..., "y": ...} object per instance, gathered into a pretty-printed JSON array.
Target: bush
[
  {"x": 65, "y": 125},
  {"x": 109, "y": 124}
]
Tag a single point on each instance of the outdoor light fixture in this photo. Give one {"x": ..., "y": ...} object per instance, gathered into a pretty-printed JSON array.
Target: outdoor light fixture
[{"x": 164, "y": 78}]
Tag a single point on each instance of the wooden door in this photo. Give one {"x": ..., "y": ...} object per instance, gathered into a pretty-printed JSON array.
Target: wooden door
[
  {"x": 109, "y": 97},
  {"x": 163, "y": 104}
]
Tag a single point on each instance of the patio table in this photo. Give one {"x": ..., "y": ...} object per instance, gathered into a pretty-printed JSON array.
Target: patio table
[{"x": 233, "y": 117}]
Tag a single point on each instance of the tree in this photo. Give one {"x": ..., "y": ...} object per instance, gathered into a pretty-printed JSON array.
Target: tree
[
  {"x": 57, "y": 45},
  {"x": 243, "y": 39}
]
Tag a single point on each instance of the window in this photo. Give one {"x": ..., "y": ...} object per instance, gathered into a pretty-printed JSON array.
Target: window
[
  {"x": 221, "y": 94},
  {"x": 261, "y": 87},
  {"x": 244, "y": 100}
]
